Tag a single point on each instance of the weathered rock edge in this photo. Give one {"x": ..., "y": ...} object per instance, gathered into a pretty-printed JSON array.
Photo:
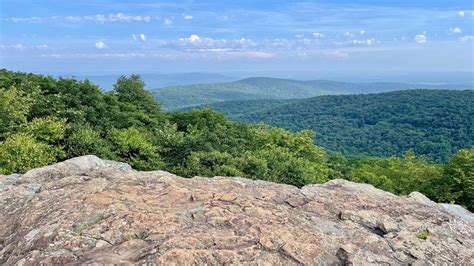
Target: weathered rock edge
[{"x": 88, "y": 210}]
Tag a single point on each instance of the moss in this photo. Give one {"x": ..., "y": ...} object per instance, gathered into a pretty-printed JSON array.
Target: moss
[{"x": 423, "y": 234}]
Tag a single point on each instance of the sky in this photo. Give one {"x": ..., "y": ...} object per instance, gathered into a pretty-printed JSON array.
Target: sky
[{"x": 105, "y": 36}]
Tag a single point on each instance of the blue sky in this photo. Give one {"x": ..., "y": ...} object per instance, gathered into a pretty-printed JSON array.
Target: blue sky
[{"x": 105, "y": 36}]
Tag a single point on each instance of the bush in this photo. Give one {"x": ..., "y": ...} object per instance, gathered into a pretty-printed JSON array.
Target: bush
[
  {"x": 14, "y": 108},
  {"x": 457, "y": 182},
  {"x": 400, "y": 175},
  {"x": 133, "y": 146},
  {"x": 22, "y": 152},
  {"x": 49, "y": 129},
  {"x": 83, "y": 140}
]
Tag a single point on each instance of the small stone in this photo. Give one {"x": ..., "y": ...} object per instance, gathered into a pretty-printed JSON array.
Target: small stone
[
  {"x": 101, "y": 243},
  {"x": 388, "y": 226},
  {"x": 296, "y": 201}
]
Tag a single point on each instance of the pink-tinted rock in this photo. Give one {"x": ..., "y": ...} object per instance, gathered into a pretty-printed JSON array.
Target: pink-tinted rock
[{"x": 99, "y": 212}]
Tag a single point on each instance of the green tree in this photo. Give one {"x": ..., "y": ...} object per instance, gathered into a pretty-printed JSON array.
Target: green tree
[
  {"x": 457, "y": 183},
  {"x": 131, "y": 90},
  {"x": 83, "y": 140},
  {"x": 133, "y": 146},
  {"x": 211, "y": 164},
  {"x": 400, "y": 175},
  {"x": 50, "y": 130},
  {"x": 21, "y": 152},
  {"x": 14, "y": 108}
]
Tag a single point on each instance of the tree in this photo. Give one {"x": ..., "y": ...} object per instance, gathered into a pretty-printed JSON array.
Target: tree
[
  {"x": 131, "y": 90},
  {"x": 83, "y": 140},
  {"x": 14, "y": 108},
  {"x": 400, "y": 175},
  {"x": 133, "y": 146},
  {"x": 457, "y": 183},
  {"x": 21, "y": 152},
  {"x": 211, "y": 164},
  {"x": 49, "y": 130}
]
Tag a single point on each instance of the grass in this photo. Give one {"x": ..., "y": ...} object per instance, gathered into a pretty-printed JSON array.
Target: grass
[{"x": 423, "y": 234}]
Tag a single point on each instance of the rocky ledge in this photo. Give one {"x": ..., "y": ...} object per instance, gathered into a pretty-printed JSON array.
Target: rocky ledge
[{"x": 88, "y": 210}]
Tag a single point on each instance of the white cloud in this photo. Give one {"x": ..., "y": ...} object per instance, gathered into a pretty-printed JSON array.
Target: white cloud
[
  {"x": 348, "y": 34},
  {"x": 168, "y": 21},
  {"x": 22, "y": 47},
  {"x": 98, "y": 18},
  {"x": 142, "y": 37},
  {"x": 134, "y": 37},
  {"x": 319, "y": 35},
  {"x": 73, "y": 18},
  {"x": 192, "y": 39},
  {"x": 187, "y": 17},
  {"x": 119, "y": 17},
  {"x": 370, "y": 41},
  {"x": 362, "y": 32},
  {"x": 467, "y": 38},
  {"x": 204, "y": 44},
  {"x": 100, "y": 45},
  {"x": 28, "y": 20},
  {"x": 455, "y": 30},
  {"x": 18, "y": 46},
  {"x": 420, "y": 38},
  {"x": 461, "y": 13},
  {"x": 220, "y": 54}
]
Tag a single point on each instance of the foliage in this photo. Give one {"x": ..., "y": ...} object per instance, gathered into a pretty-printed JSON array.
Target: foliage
[
  {"x": 47, "y": 129},
  {"x": 83, "y": 140},
  {"x": 179, "y": 97},
  {"x": 14, "y": 107},
  {"x": 132, "y": 146},
  {"x": 423, "y": 235},
  {"x": 21, "y": 152},
  {"x": 435, "y": 123},
  {"x": 456, "y": 185},
  {"x": 400, "y": 175},
  {"x": 131, "y": 90}
]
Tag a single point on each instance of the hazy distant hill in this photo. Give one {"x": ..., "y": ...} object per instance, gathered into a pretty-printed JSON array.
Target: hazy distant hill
[
  {"x": 376, "y": 87},
  {"x": 432, "y": 122},
  {"x": 177, "y": 97},
  {"x": 154, "y": 81}
]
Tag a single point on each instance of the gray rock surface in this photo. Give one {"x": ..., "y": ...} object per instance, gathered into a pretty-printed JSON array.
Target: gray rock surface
[
  {"x": 458, "y": 211},
  {"x": 87, "y": 210}
]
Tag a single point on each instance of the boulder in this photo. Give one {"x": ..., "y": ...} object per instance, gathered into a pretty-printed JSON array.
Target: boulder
[{"x": 92, "y": 211}]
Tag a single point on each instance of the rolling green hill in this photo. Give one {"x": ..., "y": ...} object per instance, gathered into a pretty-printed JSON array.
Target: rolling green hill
[
  {"x": 178, "y": 97},
  {"x": 435, "y": 123}
]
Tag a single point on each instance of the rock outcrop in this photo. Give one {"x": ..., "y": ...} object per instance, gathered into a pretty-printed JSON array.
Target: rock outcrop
[{"x": 87, "y": 210}]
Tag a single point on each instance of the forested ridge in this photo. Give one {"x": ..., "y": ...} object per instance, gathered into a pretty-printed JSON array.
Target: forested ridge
[
  {"x": 435, "y": 123},
  {"x": 178, "y": 97},
  {"x": 45, "y": 120}
]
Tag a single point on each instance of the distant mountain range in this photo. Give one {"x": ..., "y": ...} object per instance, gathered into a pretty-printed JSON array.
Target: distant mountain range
[
  {"x": 154, "y": 81},
  {"x": 435, "y": 123},
  {"x": 177, "y": 97}
]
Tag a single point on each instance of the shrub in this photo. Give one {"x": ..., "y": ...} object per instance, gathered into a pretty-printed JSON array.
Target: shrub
[
  {"x": 134, "y": 147},
  {"x": 21, "y": 152}
]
